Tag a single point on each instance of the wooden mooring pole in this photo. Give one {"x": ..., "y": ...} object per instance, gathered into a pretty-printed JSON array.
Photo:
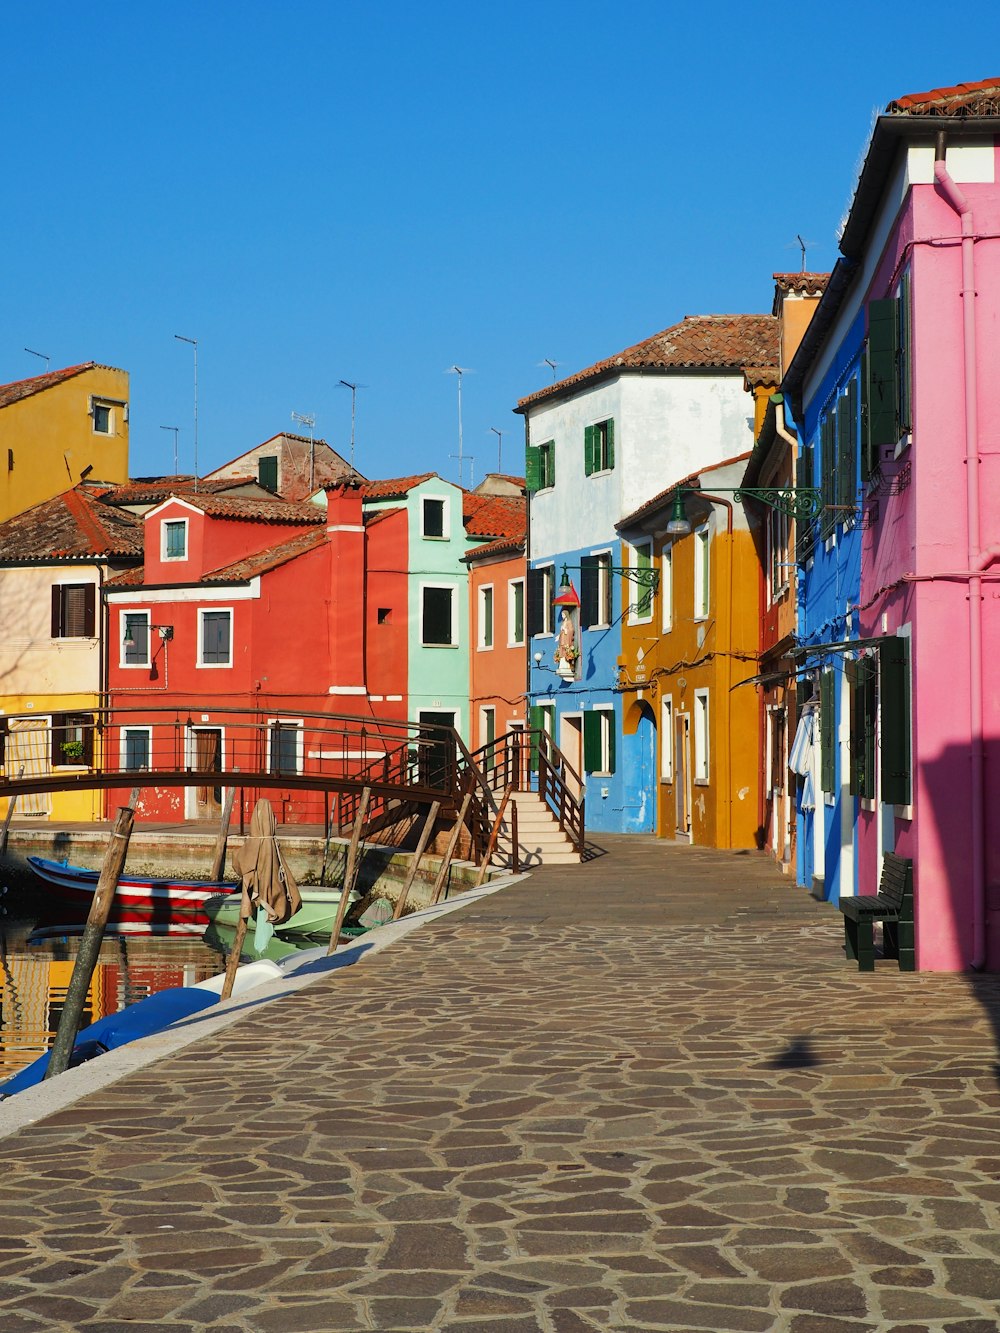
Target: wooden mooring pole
[
  {"x": 425, "y": 835},
  {"x": 450, "y": 849},
  {"x": 91, "y": 939},
  {"x": 11, "y": 802},
  {"x": 350, "y": 870},
  {"x": 218, "y": 868}
]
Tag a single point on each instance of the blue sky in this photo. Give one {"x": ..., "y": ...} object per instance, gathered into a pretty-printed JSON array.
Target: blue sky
[{"x": 376, "y": 192}]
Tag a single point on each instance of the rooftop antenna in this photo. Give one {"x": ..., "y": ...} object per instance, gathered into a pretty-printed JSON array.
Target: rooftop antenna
[
  {"x": 175, "y": 429},
  {"x": 304, "y": 419},
  {"x": 194, "y": 343},
  {"x": 551, "y": 365},
  {"x": 43, "y": 357},
  {"x": 802, "y": 247},
  {"x": 499, "y": 435},
  {"x": 459, "y": 371},
  {"x": 354, "y": 408}
]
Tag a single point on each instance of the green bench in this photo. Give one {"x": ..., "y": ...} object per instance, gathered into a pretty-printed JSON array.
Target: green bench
[{"x": 893, "y": 906}]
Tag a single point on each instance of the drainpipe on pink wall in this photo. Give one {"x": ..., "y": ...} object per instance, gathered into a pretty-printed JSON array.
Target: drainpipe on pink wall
[{"x": 963, "y": 208}]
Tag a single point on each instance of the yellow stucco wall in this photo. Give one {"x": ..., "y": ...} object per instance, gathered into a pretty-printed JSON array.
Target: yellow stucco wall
[
  {"x": 713, "y": 653},
  {"x": 48, "y": 441}
]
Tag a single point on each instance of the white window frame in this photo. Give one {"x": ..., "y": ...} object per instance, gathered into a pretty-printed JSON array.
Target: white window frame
[
  {"x": 108, "y": 405},
  {"x": 700, "y": 728},
  {"x": 512, "y": 640},
  {"x": 779, "y": 536},
  {"x": 606, "y": 712},
  {"x": 485, "y": 712},
  {"x": 548, "y": 616},
  {"x": 546, "y": 465},
  {"x": 667, "y": 589},
  {"x": 637, "y": 591},
  {"x": 702, "y": 571},
  {"x": 454, "y": 615},
  {"x": 123, "y": 749},
  {"x": 124, "y": 618},
  {"x": 486, "y": 619},
  {"x": 605, "y": 602},
  {"x": 200, "y": 662},
  {"x": 445, "y": 502},
  {"x": 667, "y": 739},
  {"x": 168, "y": 523}
]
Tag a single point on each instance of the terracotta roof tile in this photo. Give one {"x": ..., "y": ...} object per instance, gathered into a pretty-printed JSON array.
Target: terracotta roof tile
[
  {"x": 13, "y": 393},
  {"x": 77, "y": 525},
  {"x": 502, "y": 546},
  {"x": 263, "y": 561},
  {"x": 151, "y": 490},
  {"x": 250, "y": 508},
  {"x": 494, "y": 516},
  {"x": 393, "y": 487},
  {"x": 755, "y": 376},
  {"x": 962, "y": 99},
  {"x": 692, "y": 480},
  {"x": 725, "y": 342},
  {"x": 811, "y": 284}
]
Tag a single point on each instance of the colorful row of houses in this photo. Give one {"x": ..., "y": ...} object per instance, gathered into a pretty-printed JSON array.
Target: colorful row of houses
[{"x": 747, "y": 599}]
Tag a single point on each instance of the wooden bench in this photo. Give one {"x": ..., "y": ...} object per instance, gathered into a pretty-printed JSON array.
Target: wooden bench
[{"x": 893, "y": 906}]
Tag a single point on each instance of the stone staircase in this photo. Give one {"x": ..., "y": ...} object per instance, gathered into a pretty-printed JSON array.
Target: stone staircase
[{"x": 539, "y": 838}]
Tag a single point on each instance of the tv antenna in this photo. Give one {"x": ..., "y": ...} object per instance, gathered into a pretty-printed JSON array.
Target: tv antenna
[
  {"x": 43, "y": 357},
  {"x": 551, "y": 365},
  {"x": 499, "y": 435},
  {"x": 304, "y": 419},
  {"x": 802, "y": 246},
  {"x": 176, "y": 430},
  {"x": 354, "y": 408},
  {"x": 460, "y": 371}
]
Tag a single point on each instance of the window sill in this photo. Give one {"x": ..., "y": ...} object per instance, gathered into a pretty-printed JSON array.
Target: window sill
[
  {"x": 439, "y": 645},
  {"x": 484, "y": 648},
  {"x": 213, "y": 666},
  {"x": 702, "y": 782},
  {"x": 134, "y": 666},
  {"x": 427, "y": 537},
  {"x": 71, "y": 768}
]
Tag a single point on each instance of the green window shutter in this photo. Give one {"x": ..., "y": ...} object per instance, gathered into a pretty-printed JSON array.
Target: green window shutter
[
  {"x": 828, "y": 472},
  {"x": 611, "y": 741},
  {"x": 537, "y": 588},
  {"x": 588, "y": 449},
  {"x": 611, "y": 442},
  {"x": 894, "y": 701},
  {"x": 883, "y": 387},
  {"x": 592, "y": 741},
  {"x": 904, "y": 364},
  {"x": 826, "y": 731},
  {"x": 550, "y": 460},
  {"x": 535, "y": 726},
  {"x": 267, "y": 472},
  {"x": 852, "y": 675},
  {"x": 804, "y": 475},
  {"x": 590, "y": 612},
  {"x": 868, "y": 682},
  {"x": 869, "y": 454},
  {"x": 532, "y": 468}
]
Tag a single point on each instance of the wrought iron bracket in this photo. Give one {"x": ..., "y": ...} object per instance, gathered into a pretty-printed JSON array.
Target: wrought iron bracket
[{"x": 801, "y": 502}]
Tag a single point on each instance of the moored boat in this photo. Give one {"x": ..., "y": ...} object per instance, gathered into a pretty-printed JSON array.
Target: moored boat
[
  {"x": 315, "y": 917},
  {"x": 138, "y": 898}
]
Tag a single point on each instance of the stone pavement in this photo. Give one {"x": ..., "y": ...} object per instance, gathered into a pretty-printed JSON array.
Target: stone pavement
[{"x": 644, "y": 1093}]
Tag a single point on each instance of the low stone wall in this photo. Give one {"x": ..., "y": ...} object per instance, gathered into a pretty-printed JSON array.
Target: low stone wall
[{"x": 189, "y": 855}]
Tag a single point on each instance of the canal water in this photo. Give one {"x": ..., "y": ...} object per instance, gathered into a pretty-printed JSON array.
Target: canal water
[{"x": 38, "y": 947}]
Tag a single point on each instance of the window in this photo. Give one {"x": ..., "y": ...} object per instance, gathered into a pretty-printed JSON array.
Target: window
[
  {"x": 777, "y": 764},
  {"x": 284, "y": 747},
  {"x": 887, "y": 396},
  {"x": 827, "y": 733},
  {"x": 701, "y": 735},
  {"x": 542, "y": 721},
  {"x": 173, "y": 536},
  {"x": 267, "y": 472},
  {"x": 72, "y": 738},
  {"x": 437, "y": 616},
  {"x": 136, "y": 747},
  {"x": 487, "y": 735},
  {"x": 599, "y": 740},
  {"x": 433, "y": 516},
  {"x": 540, "y": 466},
  {"x": 102, "y": 414},
  {"x": 385, "y": 615},
  {"x": 599, "y": 447},
  {"x": 778, "y": 532},
  {"x": 666, "y": 740},
  {"x": 73, "y": 613},
  {"x": 486, "y": 616},
  {"x": 540, "y": 585},
  {"x": 595, "y": 590},
  {"x": 667, "y": 588},
  {"x": 894, "y": 719},
  {"x": 135, "y": 638},
  {"x": 641, "y": 594},
  {"x": 215, "y": 638},
  {"x": 701, "y": 581},
  {"x": 862, "y": 680},
  {"x": 515, "y": 613}
]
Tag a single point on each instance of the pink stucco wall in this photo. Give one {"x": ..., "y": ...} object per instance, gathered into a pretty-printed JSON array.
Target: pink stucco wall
[{"x": 912, "y": 562}]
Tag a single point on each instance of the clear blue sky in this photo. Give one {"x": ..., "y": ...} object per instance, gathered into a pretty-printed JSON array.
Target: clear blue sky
[{"x": 375, "y": 192}]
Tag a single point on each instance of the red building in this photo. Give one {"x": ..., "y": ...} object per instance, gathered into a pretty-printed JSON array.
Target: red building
[{"x": 244, "y": 634}]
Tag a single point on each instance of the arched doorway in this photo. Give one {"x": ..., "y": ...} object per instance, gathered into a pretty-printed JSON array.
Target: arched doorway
[{"x": 639, "y": 747}]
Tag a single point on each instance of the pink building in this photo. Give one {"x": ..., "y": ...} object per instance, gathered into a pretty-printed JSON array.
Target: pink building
[{"x": 917, "y": 292}]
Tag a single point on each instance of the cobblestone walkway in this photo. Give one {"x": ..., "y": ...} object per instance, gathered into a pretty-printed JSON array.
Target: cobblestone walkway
[{"x": 648, "y": 1093}]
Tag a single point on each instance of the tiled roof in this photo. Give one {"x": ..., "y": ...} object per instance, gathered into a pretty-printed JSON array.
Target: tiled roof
[
  {"x": 263, "y": 561},
  {"x": 250, "y": 508},
  {"x": 393, "y": 487},
  {"x": 755, "y": 376},
  {"x": 693, "y": 481},
  {"x": 13, "y": 393},
  {"x": 502, "y": 546},
  {"x": 963, "y": 99},
  {"x": 377, "y": 515},
  {"x": 808, "y": 284},
  {"x": 77, "y": 525},
  {"x": 151, "y": 490},
  {"x": 724, "y": 342},
  {"x": 494, "y": 516}
]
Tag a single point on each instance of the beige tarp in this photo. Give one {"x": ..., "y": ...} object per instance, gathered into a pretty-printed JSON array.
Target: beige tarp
[{"x": 269, "y": 888}]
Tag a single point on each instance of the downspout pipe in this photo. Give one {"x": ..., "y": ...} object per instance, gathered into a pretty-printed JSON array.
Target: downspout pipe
[{"x": 957, "y": 201}]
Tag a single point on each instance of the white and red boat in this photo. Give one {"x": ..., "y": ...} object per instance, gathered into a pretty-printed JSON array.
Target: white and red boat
[{"x": 141, "y": 898}]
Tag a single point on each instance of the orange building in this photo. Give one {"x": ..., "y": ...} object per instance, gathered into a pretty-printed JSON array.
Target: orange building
[{"x": 686, "y": 650}]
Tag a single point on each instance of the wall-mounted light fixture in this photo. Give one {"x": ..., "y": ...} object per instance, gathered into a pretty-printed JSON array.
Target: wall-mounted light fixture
[
  {"x": 799, "y": 502},
  {"x": 166, "y": 632}
]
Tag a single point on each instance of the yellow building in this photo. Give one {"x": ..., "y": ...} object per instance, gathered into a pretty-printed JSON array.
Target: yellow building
[
  {"x": 685, "y": 651},
  {"x": 54, "y": 559},
  {"x": 61, "y": 428}
]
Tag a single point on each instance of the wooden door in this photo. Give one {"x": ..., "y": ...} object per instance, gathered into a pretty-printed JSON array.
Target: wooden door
[
  {"x": 207, "y": 759},
  {"x": 682, "y": 774}
]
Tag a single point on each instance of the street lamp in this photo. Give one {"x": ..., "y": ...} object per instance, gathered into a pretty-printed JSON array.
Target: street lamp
[{"x": 799, "y": 502}]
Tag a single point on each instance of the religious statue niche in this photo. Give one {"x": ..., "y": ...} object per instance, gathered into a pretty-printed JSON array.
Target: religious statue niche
[{"x": 567, "y": 611}]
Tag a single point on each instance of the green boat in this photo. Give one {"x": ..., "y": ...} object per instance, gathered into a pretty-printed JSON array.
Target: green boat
[{"x": 315, "y": 917}]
